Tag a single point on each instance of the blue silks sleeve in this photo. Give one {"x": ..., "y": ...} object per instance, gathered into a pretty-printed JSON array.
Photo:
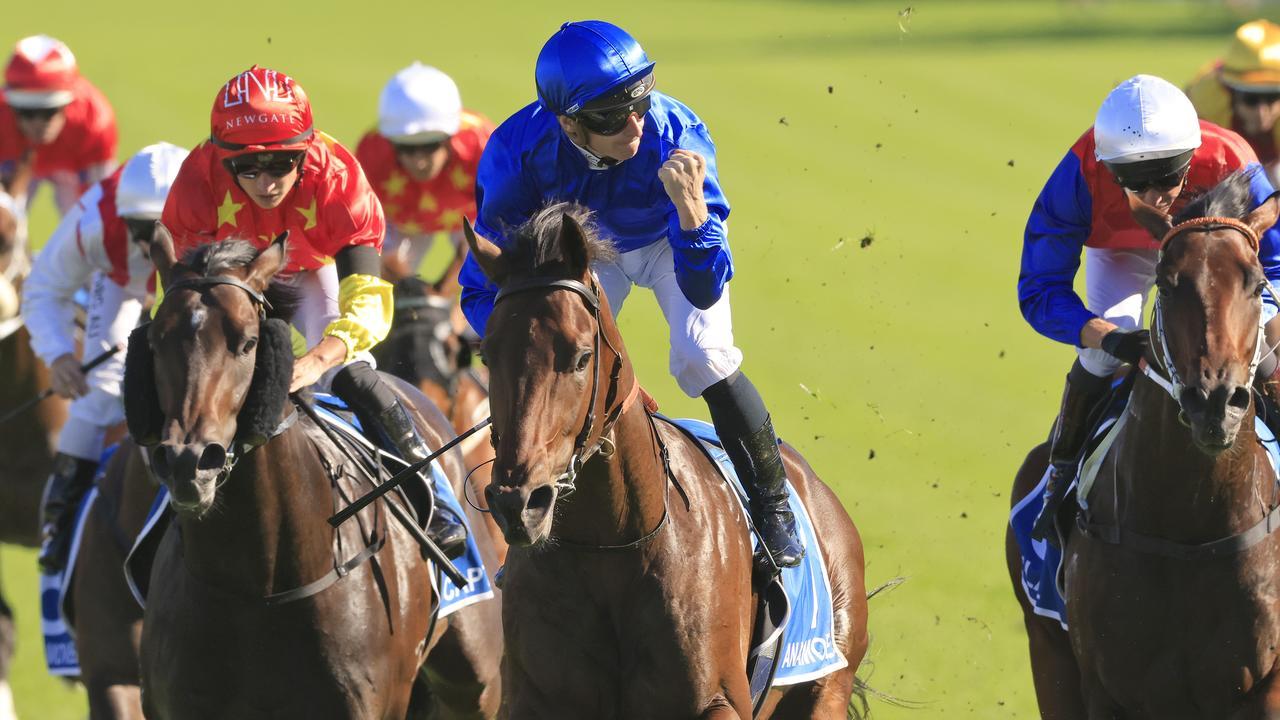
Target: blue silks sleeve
[
  {"x": 505, "y": 198},
  {"x": 703, "y": 263},
  {"x": 1059, "y": 225},
  {"x": 1269, "y": 244}
]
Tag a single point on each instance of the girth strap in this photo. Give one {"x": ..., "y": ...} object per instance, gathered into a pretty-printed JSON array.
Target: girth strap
[
  {"x": 1115, "y": 535},
  {"x": 333, "y": 576}
]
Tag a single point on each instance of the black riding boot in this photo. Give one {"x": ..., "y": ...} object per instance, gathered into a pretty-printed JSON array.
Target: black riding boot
[
  {"x": 734, "y": 403},
  {"x": 1082, "y": 394},
  {"x": 71, "y": 479},
  {"x": 359, "y": 385}
]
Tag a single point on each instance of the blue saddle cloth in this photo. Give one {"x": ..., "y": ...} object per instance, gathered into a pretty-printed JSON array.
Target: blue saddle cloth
[
  {"x": 1042, "y": 562},
  {"x": 59, "y": 643},
  {"x": 808, "y": 647}
]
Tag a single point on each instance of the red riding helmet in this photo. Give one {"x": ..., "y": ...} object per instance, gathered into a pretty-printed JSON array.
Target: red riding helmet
[
  {"x": 41, "y": 73},
  {"x": 261, "y": 110}
]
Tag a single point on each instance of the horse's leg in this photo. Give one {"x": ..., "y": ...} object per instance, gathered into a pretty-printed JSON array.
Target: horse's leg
[
  {"x": 827, "y": 698},
  {"x": 464, "y": 667},
  {"x": 1053, "y": 665}
]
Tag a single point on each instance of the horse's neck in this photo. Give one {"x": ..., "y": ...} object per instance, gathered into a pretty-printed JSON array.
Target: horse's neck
[
  {"x": 619, "y": 498},
  {"x": 1164, "y": 486},
  {"x": 267, "y": 533}
]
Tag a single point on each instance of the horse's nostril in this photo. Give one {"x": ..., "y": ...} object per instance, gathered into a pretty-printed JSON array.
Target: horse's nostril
[
  {"x": 1240, "y": 398},
  {"x": 214, "y": 457},
  {"x": 541, "y": 498}
]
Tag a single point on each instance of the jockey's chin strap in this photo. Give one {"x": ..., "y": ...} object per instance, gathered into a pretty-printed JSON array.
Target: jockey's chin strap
[
  {"x": 581, "y": 451},
  {"x": 1174, "y": 384}
]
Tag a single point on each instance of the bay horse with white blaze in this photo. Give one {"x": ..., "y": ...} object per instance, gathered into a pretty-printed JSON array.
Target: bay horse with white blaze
[
  {"x": 1171, "y": 572},
  {"x": 632, "y": 598},
  {"x": 258, "y": 608}
]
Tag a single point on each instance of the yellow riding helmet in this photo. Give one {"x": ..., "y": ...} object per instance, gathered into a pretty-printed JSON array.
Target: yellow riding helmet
[{"x": 1252, "y": 62}]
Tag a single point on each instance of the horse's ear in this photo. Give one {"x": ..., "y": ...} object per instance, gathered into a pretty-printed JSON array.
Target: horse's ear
[
  {"x": 162, "y": 253},
  {"x": 487, "y": 255},
  {"x": 1264, "y": 216},
  {"x": 269, "y": 261},
  {"x": 573, "y": 245},
  {"x": 1157, "y": 223}
]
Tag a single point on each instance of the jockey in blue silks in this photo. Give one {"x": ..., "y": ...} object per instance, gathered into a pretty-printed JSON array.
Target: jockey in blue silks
[{"x": 644, "y": 163}]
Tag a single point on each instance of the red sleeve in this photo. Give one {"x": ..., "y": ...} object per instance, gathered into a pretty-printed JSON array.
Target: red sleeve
[
  {"x": 188, "y": 212},
  {"x": 352, "y": 213}
]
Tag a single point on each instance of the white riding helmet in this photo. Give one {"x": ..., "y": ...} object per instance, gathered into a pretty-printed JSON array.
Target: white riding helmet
[
  {"x": 146, "y": 179},
  {"x": 1145, "y": 118},
  {"x": 419, "y": 105}
]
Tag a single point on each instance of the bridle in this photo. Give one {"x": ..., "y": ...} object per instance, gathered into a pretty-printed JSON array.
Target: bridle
[
  {"x": 581, "y": 452},
  {"x": 1174, "y": 384}
]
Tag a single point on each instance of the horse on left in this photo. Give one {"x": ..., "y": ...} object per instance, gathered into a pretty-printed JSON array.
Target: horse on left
[{"x": 258, "y": 607}]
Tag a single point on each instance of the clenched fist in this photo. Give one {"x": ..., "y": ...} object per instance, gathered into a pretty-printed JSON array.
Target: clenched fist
[
  {"x": 66, "y": 377},
  {"x": 682, "y": 176}
]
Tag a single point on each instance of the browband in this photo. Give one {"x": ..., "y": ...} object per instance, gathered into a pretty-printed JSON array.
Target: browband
[
  {"x": 200, "y": 283},
  {"x": 542, "y": 283},
  {"x": 1209, "y": 223}
]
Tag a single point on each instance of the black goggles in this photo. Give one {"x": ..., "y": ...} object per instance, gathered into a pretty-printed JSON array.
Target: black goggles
[
  {"x": 613, "y": 120},
  {"x": 36, "y": 113},
  {"x": 140, "y": 229},
  {"x": 419, "y": 148},
  {"x": 276, "y": 164},
  {"x": 1158, "y": 174},
  {"x": 1254, "y": 99},
  {"x": 1162, "y": 182}
]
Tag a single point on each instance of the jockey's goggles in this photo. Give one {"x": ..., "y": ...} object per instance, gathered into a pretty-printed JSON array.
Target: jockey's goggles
[
  {"x": 1253, "y": 99},
  {"x": 1159, "y": 174},
  {"x": 141, "y": 229},
  {"x": 36, "y": 113},
  {"x": 425, "y": 148},
  {"x": 275, "y": 164},
  {"x": 608, "y": 115}
]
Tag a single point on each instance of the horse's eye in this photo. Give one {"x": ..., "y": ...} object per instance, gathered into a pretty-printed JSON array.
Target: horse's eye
[
  {"x": 584, "y": 359},
  {"x": 248, "y": 346},
  {"x": 1257, "y": 292}
]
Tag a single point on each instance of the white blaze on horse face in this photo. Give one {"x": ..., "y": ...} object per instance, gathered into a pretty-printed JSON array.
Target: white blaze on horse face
[{"x": 197, "y": 319}]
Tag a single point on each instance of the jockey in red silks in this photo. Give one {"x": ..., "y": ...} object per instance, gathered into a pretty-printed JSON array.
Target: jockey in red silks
[
  {"x": 1241, "y": 90},
  {"x": 1148, "y": 143},
  {"x": 104, "y": 238},
  {"x": 421, "y": 161},
  {"x": 50, "y": 109},
  {"x": 266, "y": 170}
]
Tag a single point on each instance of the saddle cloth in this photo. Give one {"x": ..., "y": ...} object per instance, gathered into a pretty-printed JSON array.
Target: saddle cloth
[
  {"x": 1042, "y": 562},
  {"x": 59, "y": 641},
  {"x": 805, "y": 621}
]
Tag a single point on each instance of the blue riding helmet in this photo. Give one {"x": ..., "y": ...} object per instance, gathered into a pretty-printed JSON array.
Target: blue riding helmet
[{"x": 585, "y": 60}]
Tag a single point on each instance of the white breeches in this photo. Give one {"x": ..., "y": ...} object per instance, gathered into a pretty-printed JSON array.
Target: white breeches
[
  {"x": 113, "y": 314},
  {"x": 1117, "y": 283},
  {"x": 702, "y": 349}
]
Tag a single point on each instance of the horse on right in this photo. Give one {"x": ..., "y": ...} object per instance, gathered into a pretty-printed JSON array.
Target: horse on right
[{"x": 1171, "y": 562}]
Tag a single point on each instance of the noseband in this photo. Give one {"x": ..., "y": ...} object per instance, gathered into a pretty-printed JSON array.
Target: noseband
[
  {"x": 581, "y": 453},
  {"x": 1175, "y": 385}
]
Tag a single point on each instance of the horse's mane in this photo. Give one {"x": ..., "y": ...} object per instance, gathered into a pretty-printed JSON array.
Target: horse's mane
[
  {"x": 217, "y": 257},
  {"x": 1230, "y": 198},
  {"x": 535, "y": 245}
]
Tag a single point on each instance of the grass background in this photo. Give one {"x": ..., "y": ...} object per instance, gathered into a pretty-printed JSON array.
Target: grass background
[{"x": 880, "y": 160}]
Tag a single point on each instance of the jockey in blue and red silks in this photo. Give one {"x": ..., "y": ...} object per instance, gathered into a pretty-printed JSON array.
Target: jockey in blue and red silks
[
  {"x": 601, "y": 136},
  {"x": 1146, "y": 142}
]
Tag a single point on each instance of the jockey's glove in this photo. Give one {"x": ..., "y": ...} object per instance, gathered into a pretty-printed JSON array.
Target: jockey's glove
[{"x": 1127, "y": 345}]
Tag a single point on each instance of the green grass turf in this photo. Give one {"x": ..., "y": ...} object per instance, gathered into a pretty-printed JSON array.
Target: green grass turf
[{"x": 880, "y": 170}]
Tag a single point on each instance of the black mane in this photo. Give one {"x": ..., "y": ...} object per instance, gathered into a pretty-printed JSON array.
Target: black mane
[
  {"x": 218, "y": 257},
  {"x": 1230, "y": 198},
  {"x": 534, "y": 247}
]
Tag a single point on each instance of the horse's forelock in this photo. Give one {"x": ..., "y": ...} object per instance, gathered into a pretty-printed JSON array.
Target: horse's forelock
[
  {"x": 536, "y": 244},
  {"x": 216, "y": 258},
  {"x": 1232, "y": 198}
]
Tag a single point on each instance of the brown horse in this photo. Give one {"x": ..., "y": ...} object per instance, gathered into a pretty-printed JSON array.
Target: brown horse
[
  {"x": 632, "y": 598},
  {"x": 258, "y": 607},
  {"x": 428, "y": 349},
  {"x": 1170, "y": 574}
]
